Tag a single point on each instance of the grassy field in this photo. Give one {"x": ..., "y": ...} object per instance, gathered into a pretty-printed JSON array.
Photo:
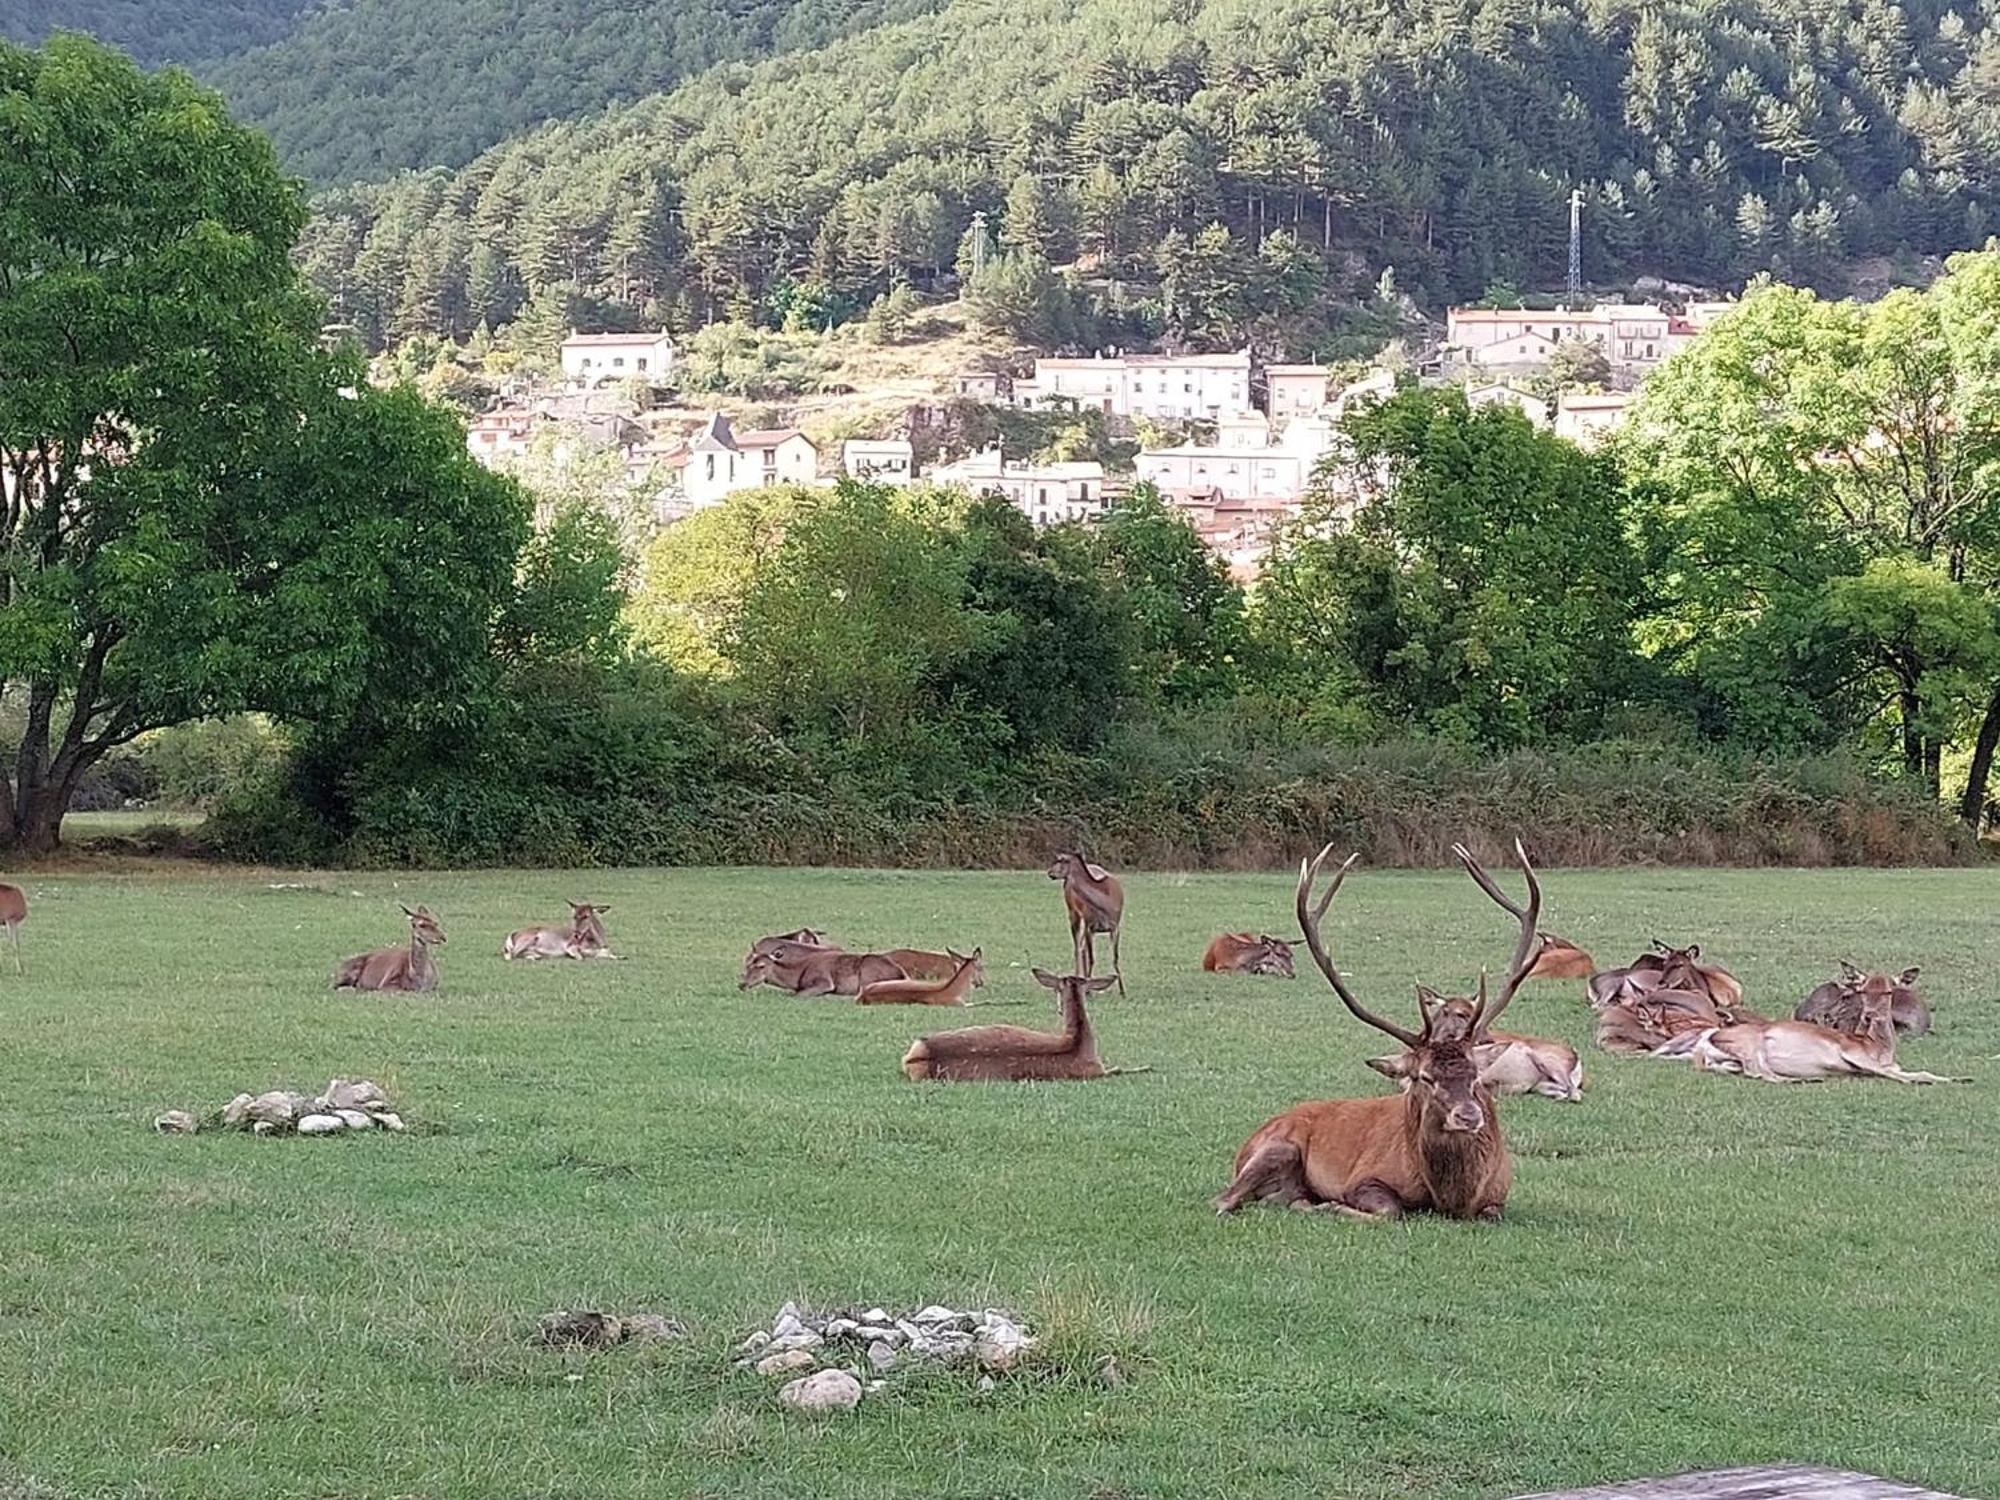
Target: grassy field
[{"x": 1695, "y": 1270}]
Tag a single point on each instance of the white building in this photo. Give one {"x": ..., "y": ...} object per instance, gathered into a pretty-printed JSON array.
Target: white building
[
  {"x": 1586, "y": 419},
  {"x": 498, "y": 437},
  {"x": 1376, "y": 385},
  {"x": 879, "y": 460},
  {"x": 1499, "y": 393},
  {"x": 1630, "y": 336},
  {"x": 1047, "y": 494},
  {"x": 1279, "y": 472},
  {"x": 1295, "y": 390},
  {"x": 718, "y": 461},
  {"x": 593, "y": 359},
  {"x": 1168, "y": 388}
]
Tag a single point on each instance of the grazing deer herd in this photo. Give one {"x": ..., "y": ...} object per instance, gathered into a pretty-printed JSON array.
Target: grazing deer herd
[{"x": 1433, "y": 1145}]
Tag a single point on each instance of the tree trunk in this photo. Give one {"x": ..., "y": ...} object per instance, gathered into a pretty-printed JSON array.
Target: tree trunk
[
  {"x": 1913, "y": 740},
  {"x": 1972, "y": 809}
]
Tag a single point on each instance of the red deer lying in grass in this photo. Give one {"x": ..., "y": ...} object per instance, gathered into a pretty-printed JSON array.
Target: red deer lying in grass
[
  {"x": 1839, "y": 1002},
  {"x": 410, "y": 968},
  {"x": 968, "y": 972},
  {"x": 1666, "y": 993},
  {"x": 13, "y": 912},
  {"x": 782, "y": 945},
  {"x": 1096, "y": 903},
  {"x": 1013, "y": 1054},
  {"x": 1437, "y": 1146},
  {"x": 921, "y": 963},
  {"x": 583, "y": 938},
  {"x": 1244, "y": 953},
  {"x": 1801, "y": 1052},
  {"x": 1508, "y": 1062},
  {"x": 809, "y": 972}
]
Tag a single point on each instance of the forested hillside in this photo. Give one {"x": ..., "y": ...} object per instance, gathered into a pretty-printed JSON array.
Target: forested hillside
[
  {"x": 156, "y": 31},
  {"x": 1434, "y": 136},
  {"x": 364, "y": 88}
]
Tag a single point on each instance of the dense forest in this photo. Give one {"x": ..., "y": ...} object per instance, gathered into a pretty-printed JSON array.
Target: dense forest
[
  {"x": 157, "y": 31},
  {"x": 1329, "y": 138}
]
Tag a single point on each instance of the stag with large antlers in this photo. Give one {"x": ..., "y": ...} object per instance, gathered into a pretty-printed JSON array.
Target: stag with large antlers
[
  {"x": 1437, "y": 1146},
  {"x": 411, "y": 969},
  {"x": 1509, "y": 1062},
  {"x": 1096, "y": 903},
  {"x": 1839, "y": 1003}
]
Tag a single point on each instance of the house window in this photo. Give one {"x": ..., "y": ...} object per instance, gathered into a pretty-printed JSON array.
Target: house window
[
  {"x": 642, "y": 362},
  {"x": 711, "y": 465},
  {"x": 618, "y": 363}
]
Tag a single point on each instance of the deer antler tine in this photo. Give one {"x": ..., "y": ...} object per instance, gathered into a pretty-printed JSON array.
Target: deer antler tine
[
  {"x": 1309, "y": 917},
  {"x": 1529, "y": 917}
]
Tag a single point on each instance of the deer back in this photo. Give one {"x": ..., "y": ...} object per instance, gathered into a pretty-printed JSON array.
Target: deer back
[{"x": 13, "y": 905}]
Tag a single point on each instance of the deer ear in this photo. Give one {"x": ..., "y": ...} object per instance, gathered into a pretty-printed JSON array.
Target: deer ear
[
  {"x": 1694, "y": 950},
  {"x": 1102, "y": 982},
  {"x": 1396, "y": 1065},
  {"x": 407, "y": 912},
  {"x": 976, "y": 954},
  {"x": 1096, "y": 872},
  {"x": 1047, "y": 980},
  {"x": 1908, "y": 976}
]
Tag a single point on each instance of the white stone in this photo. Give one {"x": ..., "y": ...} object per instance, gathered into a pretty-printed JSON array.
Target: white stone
[
  {"x": 822, "y": 1393},
  {"x": 882, "y": 1357},
  {"x": 805, "y": 1339},
  {"x": 359, "y": 1094},
  {"x": 234, "y": 1111},
  {"x": 986, "y": 1382},
  {"x": 876, "y": 1317},
  {"x": 650, "y": 1326},
  {"x": 353, "y": 1119},
  {"x": 321, "y": 1124},
  {"x": 787, "y": 1323},
  {"x": 176, "y": 1122},
  {"x": 755, "y": 1344},
  {"x": 389, "y": 1120},
  {"x": 263, "y": 1127},
  {"x": 279, "y": 1106},
  {"x": 789, "y": 1362},
  {"x": 935, "y": 1314},
  {"x": 910, "y": 1332},
  {"x": 789, "y": 1310},
  {"x": 892, "y": 1336},
  {"x": 839, "y": 1328}
]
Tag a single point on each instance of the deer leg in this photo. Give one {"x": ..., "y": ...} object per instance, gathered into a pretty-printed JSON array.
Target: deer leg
[
  {"x": 14, "y": 934},
  {"x": 1272, "y": 1171},
  {"x": 1117, "y": 965},
  {"x": 1371, "y": 1202}
]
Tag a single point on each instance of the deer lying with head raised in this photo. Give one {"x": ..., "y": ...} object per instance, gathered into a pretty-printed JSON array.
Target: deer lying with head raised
[
  {"x": 1096, "y": 903},
  {"x": 412, "y": 968},
  {"x": 1013, "y": 1054},
  {"x": 921, "y": 963},
  {"x": 967, "y": 972},
  {"x": 809, "y": 972},
  {"x": 1667, "y": 993},
  {"x": 1801, "y": 1052},
  {"x": 1839, "y": 1003},
  {"x": 13, "y": 912},
  {"x": 1248, "y": 953},
  {"x": 1437, "y": 1145},
  {"x": 583, "y": 938},
  {"x": 1509, "y": 1062}
]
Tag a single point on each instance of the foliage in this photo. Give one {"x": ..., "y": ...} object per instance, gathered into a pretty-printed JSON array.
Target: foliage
[
  {"x": 157, "y": 31},
  {"x": 1485, "y": 586},
  {"x": 1187, "y": 614},
  {"x": 738, "y": 360}
]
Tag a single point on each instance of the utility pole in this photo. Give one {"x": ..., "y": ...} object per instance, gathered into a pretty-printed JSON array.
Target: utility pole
[
  {"x": 1575, "y": 291},
  {"x": 978, "y": 241}
]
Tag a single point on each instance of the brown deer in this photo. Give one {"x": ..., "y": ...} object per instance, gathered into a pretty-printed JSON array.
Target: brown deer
[
  {"x": 583, "y": 938},
  {"x": 1838, "y": 1002},
  {"x": 1013, "y": 1054},
  {"x": 1245, "y": 953},
  {"x": 968, "y": 972},
  {"x": 921, "y": 963},
  {"x": 13, "y": 912},
  {"x": 1802, "y": 1052},
  {"x": 410, "y": 968},
  {"x": 811, "y": 972},
  {"x": 783, "y": 945},
  {"x": 1436, "y": 1146},
  {"x": 1096, "y": 903},
  {"x": 1666, "y": 968},
  {"x": 1509, "y": 1062},
  {"x": 1666, "y": 993}
]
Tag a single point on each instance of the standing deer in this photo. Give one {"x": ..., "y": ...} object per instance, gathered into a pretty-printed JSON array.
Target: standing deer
[
  {"x": 13, "y": 912},
  {"x": 1096, "y": 903},
  {"x": 1244, "y": 953},
  {"x": 1838, "y": 1002},
  {"x": 1013, "y": 1054},
  {"x": 810, "y": 972},
  {"x": 583, "y": 938},
  {"x": 1437, "y": 1146},
  {"x": 410, "y": 968},
  {"x": 1801, "y": 1052},
  {"x": 968, "y": 972}
]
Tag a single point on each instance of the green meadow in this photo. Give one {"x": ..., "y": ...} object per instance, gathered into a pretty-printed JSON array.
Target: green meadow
[{"x": 1694, "y": 1271}]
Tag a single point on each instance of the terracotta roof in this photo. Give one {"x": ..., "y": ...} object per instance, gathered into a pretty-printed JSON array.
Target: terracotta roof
[{"x": 768, "y": 437}]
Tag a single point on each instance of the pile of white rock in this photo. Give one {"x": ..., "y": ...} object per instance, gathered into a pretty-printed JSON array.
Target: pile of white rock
[
  {"x": 837, "y": 1357},
  {"x": 343, "y": 1106}
]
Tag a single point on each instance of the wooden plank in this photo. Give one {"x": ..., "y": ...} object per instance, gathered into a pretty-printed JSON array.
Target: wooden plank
[{"x": 1768, "y": 1482}]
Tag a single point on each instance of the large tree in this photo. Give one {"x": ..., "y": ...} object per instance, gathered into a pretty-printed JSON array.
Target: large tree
[
  {"x": 203, "y": 512},
  {"x": 1836, "y": 472}
]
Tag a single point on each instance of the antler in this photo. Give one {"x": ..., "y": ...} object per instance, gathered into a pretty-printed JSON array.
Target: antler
[
  {"x": 1528, "y": 917},
  {"x": 1309, "y": 916}
]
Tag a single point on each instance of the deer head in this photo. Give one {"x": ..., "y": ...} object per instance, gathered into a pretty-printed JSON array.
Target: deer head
[
  {"x": 976, "y": 958},
  {"x": 1437, "y": 1062},
  {"x": 1071, "y": 988},
  {"x": 424, "y": 928},
  {"x": 1070, "y": 864},
  {"x": 1276, "y": 957},
  {"x": 757, "y": 968}
]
